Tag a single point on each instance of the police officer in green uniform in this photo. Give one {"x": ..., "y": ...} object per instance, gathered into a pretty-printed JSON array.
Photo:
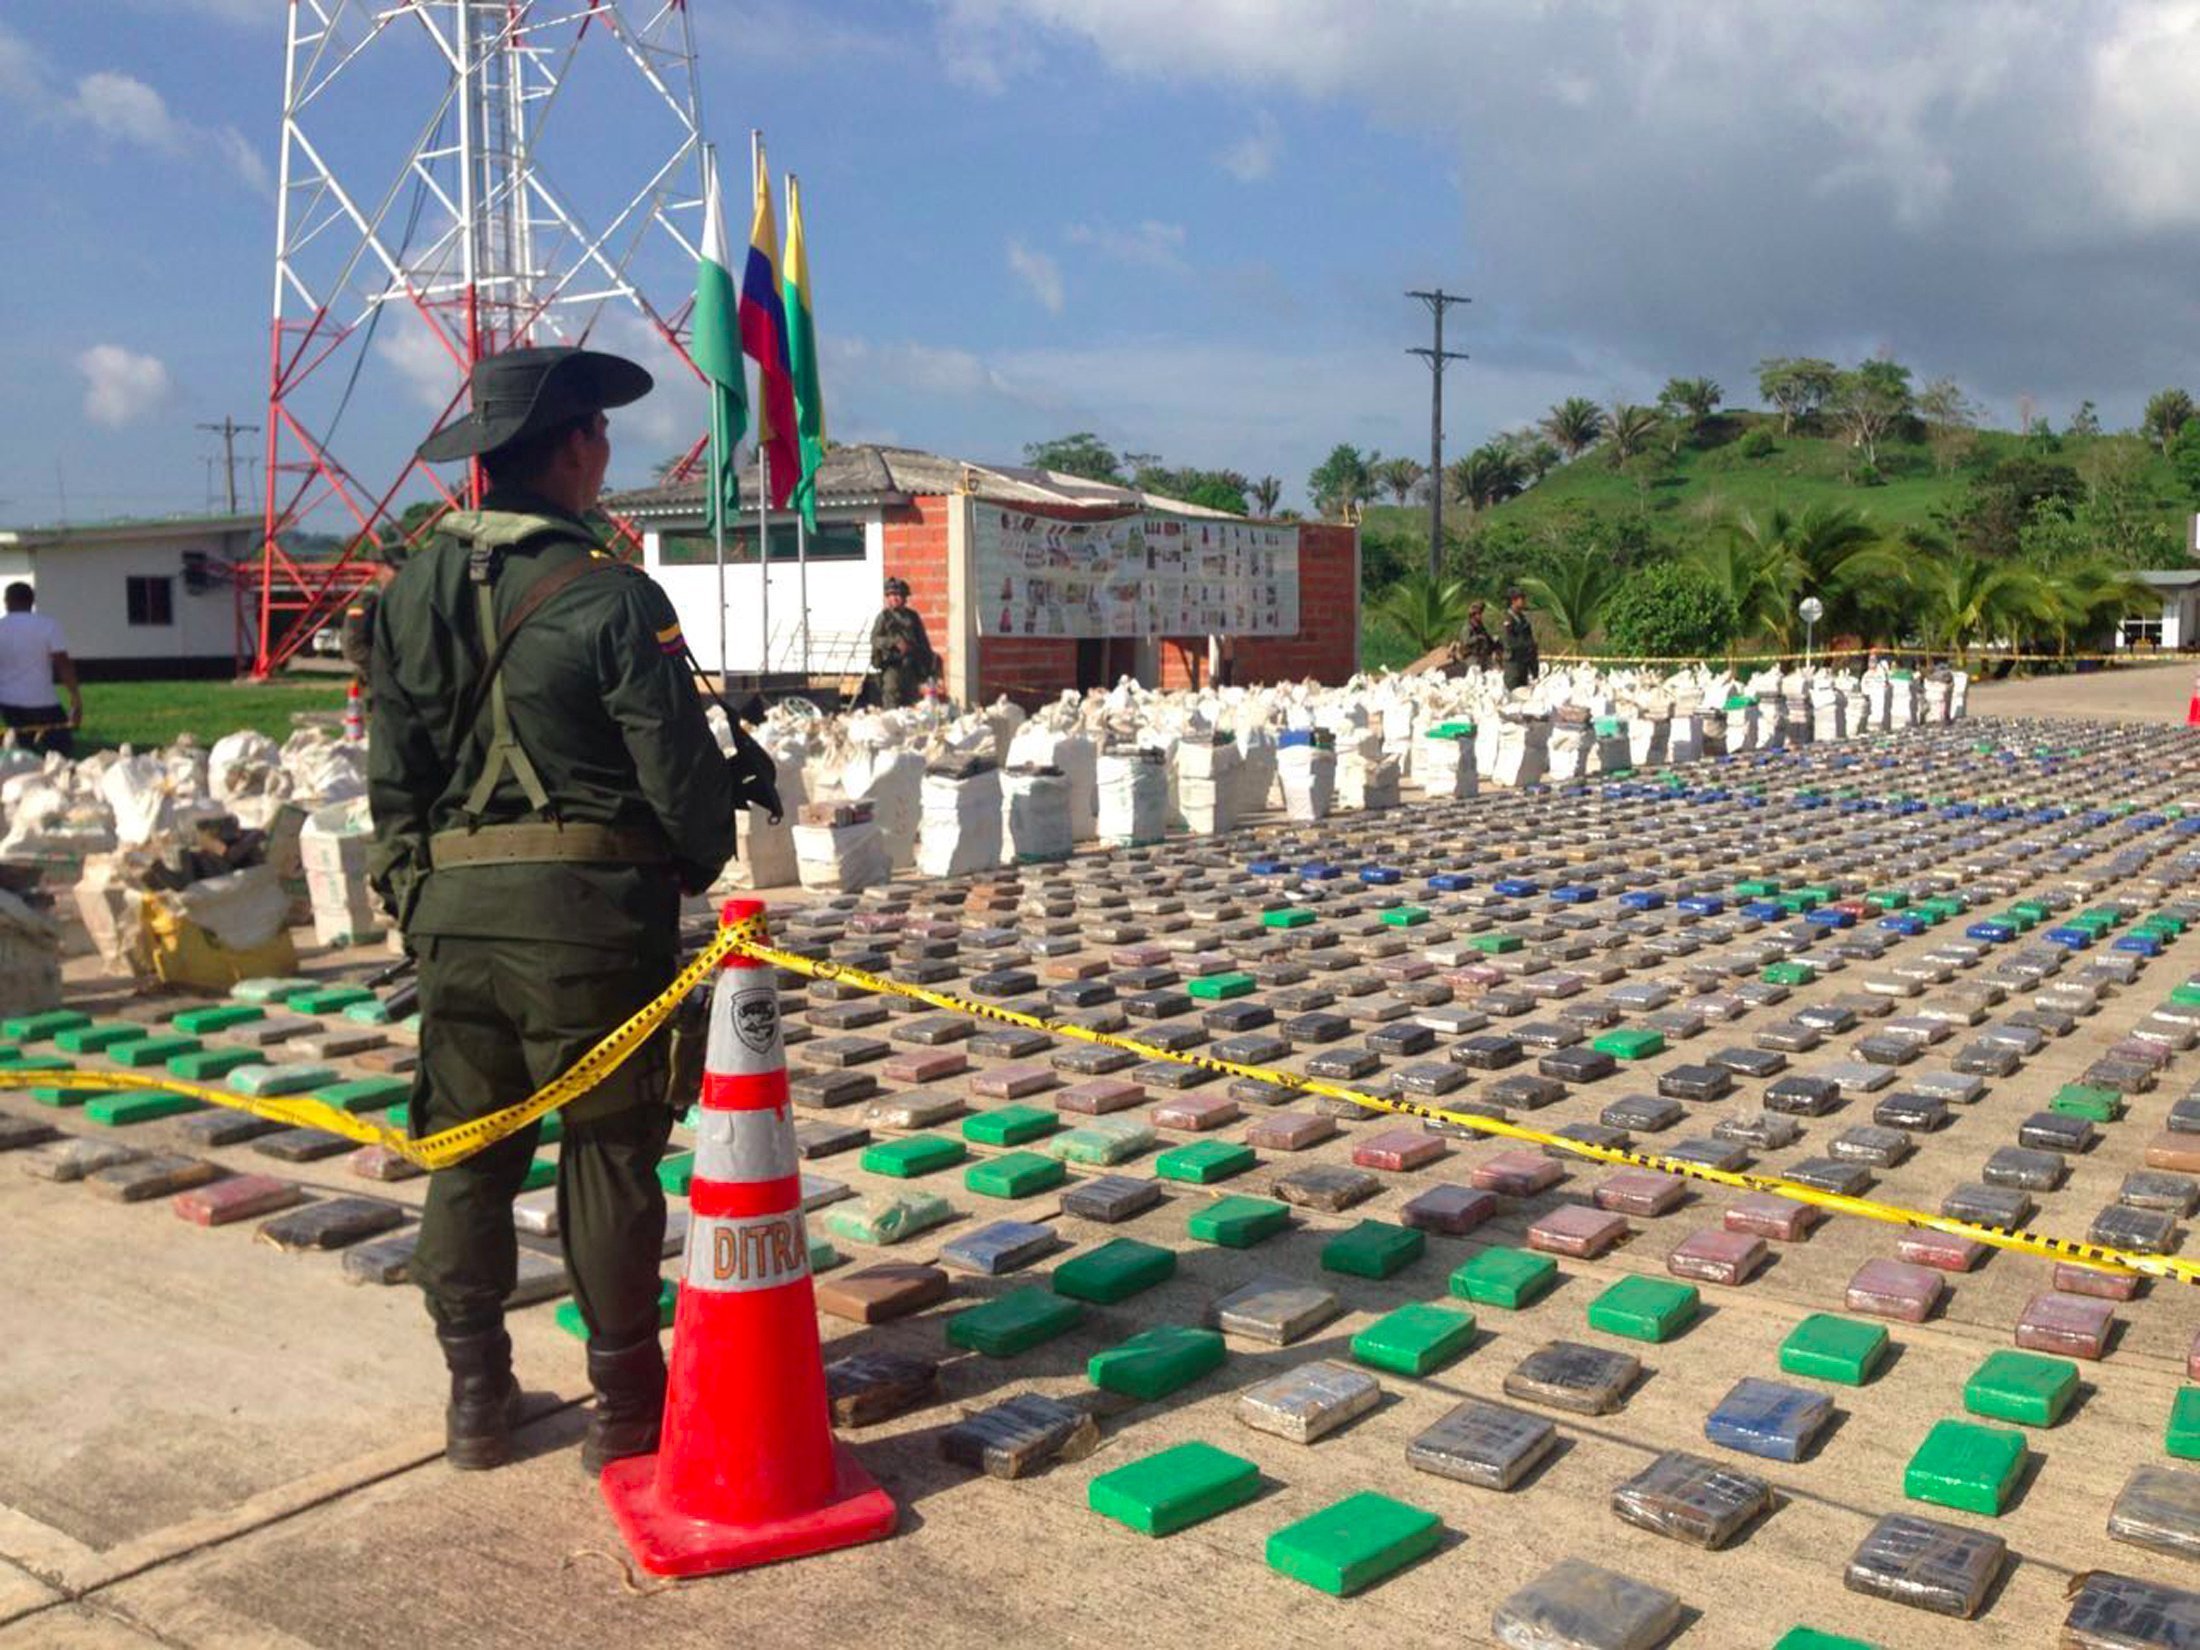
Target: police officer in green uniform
[
  {"x": 545, "y": 789},
  {"x": 901, "y": 652},
  {"x": 1522, "y": 657}
]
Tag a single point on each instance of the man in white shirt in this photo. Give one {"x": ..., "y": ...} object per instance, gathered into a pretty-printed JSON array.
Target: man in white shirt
[{"x": 34, "y": 657}]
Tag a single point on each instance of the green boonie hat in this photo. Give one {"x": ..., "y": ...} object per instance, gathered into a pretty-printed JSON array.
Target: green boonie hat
[{"x": 522, "y": 391}]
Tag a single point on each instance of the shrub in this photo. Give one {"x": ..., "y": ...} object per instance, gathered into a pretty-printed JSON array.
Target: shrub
[
  {"x": 1758, "y": 444},
  {"x": 1670, "y": 609}
]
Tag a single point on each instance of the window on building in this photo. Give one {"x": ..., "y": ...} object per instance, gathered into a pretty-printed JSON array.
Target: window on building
[
  {"x": 151, "y": 601},
  {"x": 833, "y": 541}
]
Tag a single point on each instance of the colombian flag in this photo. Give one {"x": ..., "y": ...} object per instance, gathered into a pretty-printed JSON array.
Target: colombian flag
[{"x": 764, "y": 341}]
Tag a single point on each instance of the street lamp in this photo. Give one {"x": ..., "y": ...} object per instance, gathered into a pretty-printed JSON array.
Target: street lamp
[{"x": 1812, "y": 610}]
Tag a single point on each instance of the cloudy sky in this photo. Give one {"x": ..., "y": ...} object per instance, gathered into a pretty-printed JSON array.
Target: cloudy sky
[{"x": 1187, "y": 227}]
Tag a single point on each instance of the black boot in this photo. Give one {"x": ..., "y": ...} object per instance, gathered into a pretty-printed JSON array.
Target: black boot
[
  {"x": 630, "y": 1403},
  {"x": 484, "y": 1403}
]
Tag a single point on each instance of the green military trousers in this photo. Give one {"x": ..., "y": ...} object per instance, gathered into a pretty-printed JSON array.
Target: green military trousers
[{"x": 498, "y": 1020}]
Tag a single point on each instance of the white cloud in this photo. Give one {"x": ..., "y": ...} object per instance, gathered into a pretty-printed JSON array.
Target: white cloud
[
  {"x": 121, "y": 110},
  {"x": 1153, "y": 244},
  {"x": 1039, "y": 272},
  {"x": 1253, "y": 156},
  {"x": 2008, "y": 190},
  {"x": 122, "y": 386}
]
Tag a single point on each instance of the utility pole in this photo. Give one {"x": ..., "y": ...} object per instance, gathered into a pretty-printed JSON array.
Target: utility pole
[
  {"x": 1436, "y": 356},
  {"x": 229, "y": 429}
]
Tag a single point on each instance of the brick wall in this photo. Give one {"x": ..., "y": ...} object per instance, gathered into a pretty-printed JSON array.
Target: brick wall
[{"x": 915, "y": 548}]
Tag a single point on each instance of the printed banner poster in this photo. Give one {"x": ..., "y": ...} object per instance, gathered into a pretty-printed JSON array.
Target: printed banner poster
[{"x": 1139, "y": 575}]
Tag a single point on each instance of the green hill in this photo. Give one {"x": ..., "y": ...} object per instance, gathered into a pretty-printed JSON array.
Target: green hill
[{"x": 1680, "y": 491}]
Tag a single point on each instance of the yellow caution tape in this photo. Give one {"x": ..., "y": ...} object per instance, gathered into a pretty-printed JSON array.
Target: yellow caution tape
[
  {"x": 1898, "y": 657},
  {"x": 461, "y": 1141},
  {"x": 2029, "y": 1243}
]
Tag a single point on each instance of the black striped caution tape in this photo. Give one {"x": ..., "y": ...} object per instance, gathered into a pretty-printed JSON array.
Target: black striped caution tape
[{"x": 2096, "y": 1255}]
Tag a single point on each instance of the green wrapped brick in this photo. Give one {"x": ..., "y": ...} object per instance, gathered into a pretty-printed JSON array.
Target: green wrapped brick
[
  {"x": 568, "y": 1314},
  {"x": 1353, "y": 1543},
  {"x": 372, "y": 1094},
  {"x": 1963, "y": 1465},
  {"x": 138, "y": 1106},
  {"x": 920, "y": 1154},
  {"x": 211, "y": 1065},
  {"x": 39, "y": 1028},
  {"x": 2182, "y": 1438},
  {"x": 1156, "y": 1362},
  {"x": 1203, "y": 1162},
  {"x": 1009, "y": 1125},
  {"x": 202, "y": 1022},
  {"x": 1834, "y": 1349},
  {"x": 2096, "y": 1105},
  {"x": 1014, "y": 1322},
  {"x": 1295, "y": 916},
  {"x": 1373, "y": 1249},
  {"x": 1499, "y": 1276},
  {"x": 1015, "y": 1174},
  {"x": 1405, "y": 916},
  {"x": 1414, "y": 1339},
  {"x": 98, "y": 1038},
  {"x": 152, "y": 1051},
  {"x": 2021, "y": 1386},
  {"x": 326, "y": 999},
  {"x": 1117, "y": 1270},
  {"x": 541, "y": 1172},
  {"x": 1174, "y": 1489},
  {"x": 1645, "y": 1309},
  {"x": 676, "y": 1173},
  {"x": 1215, "y": 988},
  {"x": 1239, "y": 1222},
  {"x": 1630, "y": 1044}
]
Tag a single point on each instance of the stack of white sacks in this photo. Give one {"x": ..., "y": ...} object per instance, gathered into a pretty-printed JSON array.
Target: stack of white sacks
[{"x": 1127, "y": 766}]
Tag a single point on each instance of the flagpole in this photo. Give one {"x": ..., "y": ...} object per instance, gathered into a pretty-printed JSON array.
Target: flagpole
[
  {"x": 801, "y": 530},
  {"x": 721, "y": 460},
  {"x": 763, "y": 468}
]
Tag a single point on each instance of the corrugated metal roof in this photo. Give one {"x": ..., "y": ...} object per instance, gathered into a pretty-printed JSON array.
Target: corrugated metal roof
[{"x": 857, "y": 476}]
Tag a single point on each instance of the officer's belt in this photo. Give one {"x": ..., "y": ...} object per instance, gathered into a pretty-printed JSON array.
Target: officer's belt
[{"x": 537, "y": 844}]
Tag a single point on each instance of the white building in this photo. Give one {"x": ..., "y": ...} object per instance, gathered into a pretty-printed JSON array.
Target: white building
[
  {"x": 2177, "y": 626},
  {"x": 139, "y": 598}
]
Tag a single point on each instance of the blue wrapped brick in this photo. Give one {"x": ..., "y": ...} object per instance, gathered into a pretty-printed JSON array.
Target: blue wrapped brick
[{"x": 1769, "y": 1419}]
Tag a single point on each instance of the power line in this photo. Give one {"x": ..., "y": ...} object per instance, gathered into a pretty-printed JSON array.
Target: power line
[
  {"x": 229, "y": 429},
  {"x": 1436, "y": 356}
]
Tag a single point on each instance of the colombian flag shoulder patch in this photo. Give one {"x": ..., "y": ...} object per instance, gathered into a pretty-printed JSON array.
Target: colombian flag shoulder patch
[{"x": 669, "y": 640}]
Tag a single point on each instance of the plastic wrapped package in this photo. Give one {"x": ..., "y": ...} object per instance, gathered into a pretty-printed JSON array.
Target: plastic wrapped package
[
  {"x": 1307, "y": 775},
  {"x": 1576, "y": 1605},
  {"x": 1927, "y": 1564},
  {"x": 892, "y": 781},
  {"x": 2113, "y": 1612},
  {"x": 1275, "y": 1311},
  {"x": 1309, "y": 1402},
  {"x": 1484, "y": 1444},
  {"x": 2159, "y": 1509},
  {"x": 1035, "y": 804},
  {"x": 1691, "y": 1499},
  {"x": 1583, "y": 1380},
  {"x": 30, "y": 958}
]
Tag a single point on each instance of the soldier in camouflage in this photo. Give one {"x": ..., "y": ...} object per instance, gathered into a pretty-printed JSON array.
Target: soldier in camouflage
[{"x": 901, "y": 653}]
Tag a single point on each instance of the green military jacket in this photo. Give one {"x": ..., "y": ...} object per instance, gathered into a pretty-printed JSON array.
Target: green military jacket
[
  {"x": 902, "y": 655},
  {"x": 600, "y": 699}
]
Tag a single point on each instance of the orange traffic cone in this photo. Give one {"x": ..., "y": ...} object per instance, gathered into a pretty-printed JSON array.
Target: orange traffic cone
[
  {"x": 355, "y": 721},
  {"x": 2192, "y": 705},
  {"x": 749, "y": 1470}
]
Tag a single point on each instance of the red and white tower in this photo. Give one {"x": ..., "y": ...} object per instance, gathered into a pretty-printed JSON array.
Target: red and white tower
[{"x": 457, "y": 177}]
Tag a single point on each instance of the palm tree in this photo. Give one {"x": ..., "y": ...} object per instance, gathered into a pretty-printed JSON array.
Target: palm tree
[
  {"x": 1628, "y": 429},
  {"x": 1574, "y": 424},
  {"x": 1753, "y": 576},
  {"x": 1536, "y": 454},
  {"x": 1694, "y": 398},
  {"x": 1572, "y": 589},
  {"x": 2087, "y": 596},
  {"x": 1400, "y": 476},
  {"x": 1426, "y": 611},
  {"x": 1827, "y": 551},
  {"x": 1489, "y": 475},
  {"x": 1266, "y": 494},
  {"x": 1964, "y": 598}
]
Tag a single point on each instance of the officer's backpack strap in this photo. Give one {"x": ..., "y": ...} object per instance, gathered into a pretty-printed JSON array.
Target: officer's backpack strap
[{"x": 505, "y": 750}]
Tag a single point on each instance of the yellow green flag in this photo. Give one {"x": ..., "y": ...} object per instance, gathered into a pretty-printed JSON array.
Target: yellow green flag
[{"x": 809, "y": 395}]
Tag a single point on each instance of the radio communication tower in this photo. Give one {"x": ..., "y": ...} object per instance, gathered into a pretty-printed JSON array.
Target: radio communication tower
[{"x": 458, "y": 177}]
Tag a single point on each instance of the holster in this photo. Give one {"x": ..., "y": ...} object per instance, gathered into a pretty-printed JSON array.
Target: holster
[
  {"x": 755, "y": 774},
  {"x": 686, "y": 1034}
]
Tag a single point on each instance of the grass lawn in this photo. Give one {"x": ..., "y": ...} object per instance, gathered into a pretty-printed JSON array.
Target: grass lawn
[{"x": 150, "y": 714}]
